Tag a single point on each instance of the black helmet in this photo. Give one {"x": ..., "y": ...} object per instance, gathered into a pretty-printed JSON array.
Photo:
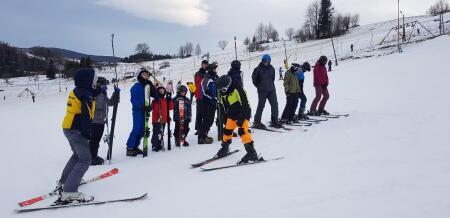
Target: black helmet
[
  {"x": 139, "y": 77},
  {"x": 306, "y": 66},
  {"x": 323, "y": 60},
  {"x": 102, "y": 80},
  {"x": 223, "y": 83},
  {"x": 236, "y": 65},
  {"x": 213, "y": 66},
  {"x": 182, "y": 88}
]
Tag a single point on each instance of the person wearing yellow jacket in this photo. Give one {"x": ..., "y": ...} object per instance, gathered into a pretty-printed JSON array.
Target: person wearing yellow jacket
[
  {"x": 234, "y": 101},
  {"x": 77, "y": 129}
]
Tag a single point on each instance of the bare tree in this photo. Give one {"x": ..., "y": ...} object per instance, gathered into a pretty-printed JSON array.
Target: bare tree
[
  {"x": 222, "y": 44},
  {"x": 259, "y": 33},
  {"x": 247, "y": 41},
  {"x": 182, "y": 51},
  {"x": 142, "y": 48},
  {"x": 198, "y": 50},
  {"x": 189, "y": 48},
  {"x": 354, "y": 20},
  {"x": 290, "y": 33},
  {"x": 311, "y": 26},
  {"x": 441, "y": 6}
]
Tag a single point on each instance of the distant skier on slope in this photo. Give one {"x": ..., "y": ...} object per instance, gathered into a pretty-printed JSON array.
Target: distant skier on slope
[
  {"x": 77, "y": 129},
  {"x": 238, "y": 113},
  {"x": 263, "y": 78},
  {"x": 321, "y": 87},
  {"x": 138, "y": 108},
  {"x": 330, "y": 63}
]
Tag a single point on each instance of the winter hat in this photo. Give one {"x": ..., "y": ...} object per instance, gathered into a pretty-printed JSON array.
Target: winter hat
[
  {"x": 85, "y": 77},
  {"x": 205, "y": 62},
  {"x": 266, "y": 58},
  {"x": 323, "y": 60},
  {"x": 102, "y": 80},
  {"x": 223, "y": 83},
  {"x": 306, "y": 66},
  {"x": 182, "y": 88},
  {"x": 295, "y": 66},
  {"x": 139, "y": 77},
  {"x": 213, "y": 66},
  {"x": 236, "y": 65}
]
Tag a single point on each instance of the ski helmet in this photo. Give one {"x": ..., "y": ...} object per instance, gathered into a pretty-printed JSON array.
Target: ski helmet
[
  {"x": 182, "y": 88},
  {"x": 102, "y": 80},
  {"x": 266, "y": 58},
  {"x": 306, "y": 66},
  {"x": 236, "y": 65},
  {"x": 223, "y": 83}
]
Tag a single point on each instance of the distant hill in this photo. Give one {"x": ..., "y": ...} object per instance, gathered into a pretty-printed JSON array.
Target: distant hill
[{"x": 76, "y": 55}]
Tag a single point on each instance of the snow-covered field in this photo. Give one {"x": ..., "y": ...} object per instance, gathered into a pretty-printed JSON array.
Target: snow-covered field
[{"x": 390, "y": 158}]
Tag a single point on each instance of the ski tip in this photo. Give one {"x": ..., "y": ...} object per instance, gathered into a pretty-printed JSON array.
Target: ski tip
[{"x": 115, "y": 170}]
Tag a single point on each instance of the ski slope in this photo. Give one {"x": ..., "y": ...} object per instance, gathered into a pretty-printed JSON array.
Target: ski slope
[{"x": 390, "y": 158}]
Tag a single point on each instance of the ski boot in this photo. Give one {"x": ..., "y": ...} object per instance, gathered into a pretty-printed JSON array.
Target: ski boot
[
  {"x": 59, "y": 187},
  {"x": 97, "y": 161},
  {"x": 323, "y": 112},
  {"x": 177, "y": 144},
  {"x": 301, "y": 114},
  {"x": 72, "y": 198},
  {"x": 275, "y": 123},
  {"x": 133, "y": 152},
  {"x": 313, "y": 113},
  {"x": 251, "y": 154},
  {"x": 186, "y": 144},
  {"x": 224, "y": 150},
  {"x": 259, "y": 126},
  {"x": 157, "y": 148}
]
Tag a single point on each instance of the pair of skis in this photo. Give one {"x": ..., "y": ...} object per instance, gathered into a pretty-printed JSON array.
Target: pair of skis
[
  {"x": 181, "y": 113},
  {"x": 55, "y": 193},
  {"x": 208, "y": 161}
]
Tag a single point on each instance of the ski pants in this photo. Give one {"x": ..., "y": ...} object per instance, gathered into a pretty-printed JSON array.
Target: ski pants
[
  {"x": 208, "y": 113},
  {"x": 177, "y": 130},
  {"x": 243, "y": 132},
  {"x": 157, "y": 136},
  {"x": 262, "y": 97},
  {"x": 320, "y": 91},
  {"x": 291, "y": 106},
  {"x": 134, "y": 140},
  {"x": 78, "y": 163},
  {"x": 198, "y": 115},
  {"x": 303, "y": 100},
  {"x": 96, "y": 136}
]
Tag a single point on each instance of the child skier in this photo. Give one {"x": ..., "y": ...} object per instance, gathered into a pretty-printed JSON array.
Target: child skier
[
  {"x": 77, "y": 129},
  {"x": 138, "y": 103},
  {"x": 238, "y": 112},
  {"x": 159, "y": 117},
  {"x": 292, "y": 90},
  {"x": 100, "y": 117},
  {"x": 306, "y": 67},
  {"x": 185, "y": 120}
]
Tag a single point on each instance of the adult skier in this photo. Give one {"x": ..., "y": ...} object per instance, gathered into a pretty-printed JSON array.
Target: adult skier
[
  {"x": 263, "y": 78},
  {"x": 102, "y": 102},
  {"x": 306, "y": 67},
  {"x": 186, "y": 119},
  {"x": 198, "y": 77},
  {"x": 321, "y": 87},
  {"x": 138, "y": 108},
  {"x": 209, "y": 101},
  {"x": 238, "y": 112},
  {"x": 77, "y": 129},
  {"x": 159, "y": 117},
  {"x": 292, "y": 90}
]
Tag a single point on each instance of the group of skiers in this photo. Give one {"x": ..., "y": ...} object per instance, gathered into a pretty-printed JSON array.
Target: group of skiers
[{"x": 87, "y": 109}]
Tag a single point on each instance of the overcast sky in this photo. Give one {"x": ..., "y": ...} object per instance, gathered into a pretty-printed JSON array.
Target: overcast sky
[{"x": 86, "y": 25}]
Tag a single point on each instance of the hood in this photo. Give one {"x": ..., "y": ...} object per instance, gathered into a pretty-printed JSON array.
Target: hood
[{"x": 84, "y": 78}]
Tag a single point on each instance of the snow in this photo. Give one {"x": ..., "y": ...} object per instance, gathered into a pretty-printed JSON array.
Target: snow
[{"x": 389, "y": 158}]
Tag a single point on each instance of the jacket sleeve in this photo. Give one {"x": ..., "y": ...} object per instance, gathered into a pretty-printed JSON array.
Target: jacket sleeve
[
  {"x": 85, "y": 118},
  {"x": 246, "y": 110},
  {"x": 255, "y": 77},
  {"x": 213, "y": 90},
  {"x": 137, "y": 100}
]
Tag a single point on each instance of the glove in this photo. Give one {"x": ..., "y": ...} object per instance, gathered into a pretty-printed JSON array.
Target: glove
[
  {"x": 104, "y": 88},
  {"x": 240, "y": 122},
  {"x": 117, "y": 89},
  {"x": 115, "y": 98}
]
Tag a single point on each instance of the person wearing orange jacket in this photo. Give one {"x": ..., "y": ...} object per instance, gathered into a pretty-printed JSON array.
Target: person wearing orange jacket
[{"x": 159, "y": 117}]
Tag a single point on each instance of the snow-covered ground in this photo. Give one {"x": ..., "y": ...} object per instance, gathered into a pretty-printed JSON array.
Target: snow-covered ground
[{"x": 390, "y": 158}]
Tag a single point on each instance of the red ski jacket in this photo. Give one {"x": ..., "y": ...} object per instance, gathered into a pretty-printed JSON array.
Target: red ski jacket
[
  {"x": 156, "y": 110},
  {"x": 198, "y": 83},
  {"x": 320, "y": 75}
]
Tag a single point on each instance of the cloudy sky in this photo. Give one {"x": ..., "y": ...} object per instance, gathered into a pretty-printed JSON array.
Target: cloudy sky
[{"x": 86, "y": 25}]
